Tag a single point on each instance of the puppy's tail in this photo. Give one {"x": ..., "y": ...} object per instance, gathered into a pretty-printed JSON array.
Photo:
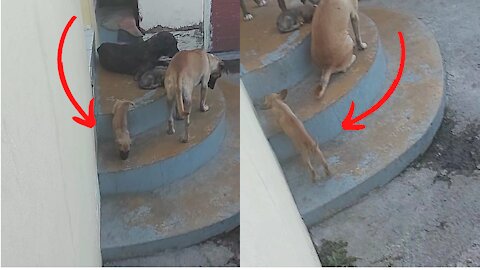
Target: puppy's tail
[{"x": 324, "y": 80}]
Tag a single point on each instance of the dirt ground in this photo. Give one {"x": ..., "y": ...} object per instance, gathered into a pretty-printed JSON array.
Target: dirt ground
[{"x": 430, "y": 214}]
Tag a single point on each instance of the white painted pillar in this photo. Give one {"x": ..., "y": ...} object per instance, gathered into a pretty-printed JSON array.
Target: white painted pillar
[{"x": 272, "y": 230}]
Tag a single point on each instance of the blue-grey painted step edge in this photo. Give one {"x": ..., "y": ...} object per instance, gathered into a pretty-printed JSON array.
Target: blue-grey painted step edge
[
  {"x": 140, "y": 119},
  {"x": 289, "y": 69},
  {"x": 163, "y": 172},
  {"x": 379, "y": 178},
  {"x": 172, "y": 242},
  {"x": 327, "y": 124}
]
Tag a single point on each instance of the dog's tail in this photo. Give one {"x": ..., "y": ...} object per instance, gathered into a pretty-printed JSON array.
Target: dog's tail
[
  {"x": 324, "y": 80},
  {"x": 282, "y": 5},
  {"x": 180, "y": 107}
]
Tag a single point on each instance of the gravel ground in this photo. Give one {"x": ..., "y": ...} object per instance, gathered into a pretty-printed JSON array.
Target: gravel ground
[{"x": 430, "y": 214}]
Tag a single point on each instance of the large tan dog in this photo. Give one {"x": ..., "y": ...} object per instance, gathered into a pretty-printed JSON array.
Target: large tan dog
[
  {"x": 332, "y": 46},
  {"x": 120, "y": 127},
  {"x": 296, "y": 131},
  {"x": 186, "y": 70}
]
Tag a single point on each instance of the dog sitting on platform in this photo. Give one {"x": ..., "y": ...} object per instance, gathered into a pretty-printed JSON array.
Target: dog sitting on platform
[
  {"x": 332, "y": 46},
  {"x": 295, "y": 130}
]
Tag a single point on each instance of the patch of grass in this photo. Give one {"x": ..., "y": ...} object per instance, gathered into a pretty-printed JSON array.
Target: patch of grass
[{"x": 334, "y": 254}]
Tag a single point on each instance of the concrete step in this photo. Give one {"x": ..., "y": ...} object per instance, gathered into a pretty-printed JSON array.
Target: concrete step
[
  {"x": 110, "y": 86},
  {"x": 265, "y": 53},
  {"x": 177, "y": 215},
  {"x": 184, "y": 212},
  {"x": 157, "y": 158},
  {"x": 394, "y": 136},
  {"x": 285, "y": 58}
]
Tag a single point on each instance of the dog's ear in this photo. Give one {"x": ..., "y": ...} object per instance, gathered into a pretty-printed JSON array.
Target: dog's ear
[
  {"x": 283, "y": 94},
  {"x": 213, "y": 79},
  {"x": 222, "y": 67}
]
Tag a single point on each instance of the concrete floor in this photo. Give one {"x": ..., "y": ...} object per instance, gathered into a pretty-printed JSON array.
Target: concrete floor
[{"x": 429, "y": 215}]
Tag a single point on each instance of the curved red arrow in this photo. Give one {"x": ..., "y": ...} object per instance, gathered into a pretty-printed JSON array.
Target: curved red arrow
[
  {"x": 87, "y": 120},
  {"x": 350, "y": 124}
]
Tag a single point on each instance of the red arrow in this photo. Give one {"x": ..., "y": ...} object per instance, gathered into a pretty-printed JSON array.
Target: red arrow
[
  {"x": 350, "y": 124},
  {"x": 87, "y": 120}
]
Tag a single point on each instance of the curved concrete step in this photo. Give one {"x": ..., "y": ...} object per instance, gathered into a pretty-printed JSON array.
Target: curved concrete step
[
  {"x": 157, "y": 158},
  {"x": 364, "y": 82},
  {"x": 183, "y": 213},
  {"x": 284, "y": 59},
  {"x": 110, "y": 86},
  {"x": 394, "y": 136}
]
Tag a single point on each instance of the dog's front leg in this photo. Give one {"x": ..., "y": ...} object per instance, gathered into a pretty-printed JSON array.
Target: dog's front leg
[
  {"x": 356, "y": 29},
  {"x": 203, "y": 99},
  {"x": 188, "y": 108}
]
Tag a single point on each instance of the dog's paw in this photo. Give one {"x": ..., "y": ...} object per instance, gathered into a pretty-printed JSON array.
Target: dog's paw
[
  {"x": 204, "y": 108},
  {"x": 362, "y": 46},
  {"x": 184, "y": 140},
  {"x": 262, "y": 3},
  {"x": 248, "y": 17},
  {"x": 170, "y": 131}
]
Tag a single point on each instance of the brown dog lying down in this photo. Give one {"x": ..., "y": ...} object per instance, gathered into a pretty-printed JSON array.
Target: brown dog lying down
[
  {"x": 292, "y": 19},
  {"x": 120, "y": 128},
  {"x": 296, "y": 131},
  {"x": 188, "y": 69},
  {"x": 332, "y": 46},
  {"x": 153, "y": 78}
]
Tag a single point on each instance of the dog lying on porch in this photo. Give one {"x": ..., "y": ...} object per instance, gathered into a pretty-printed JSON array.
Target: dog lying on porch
[
  {"x": 137, "y": 58},
  {"x": 332, "y": 46},
  {"x": 295, "y": 130}
]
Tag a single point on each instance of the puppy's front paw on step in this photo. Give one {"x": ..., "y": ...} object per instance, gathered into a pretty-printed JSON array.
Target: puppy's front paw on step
[{"x": 248, "y": 17}]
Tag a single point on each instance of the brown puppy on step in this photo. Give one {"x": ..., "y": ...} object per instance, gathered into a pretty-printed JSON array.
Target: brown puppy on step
[
  {"x": 186, "y": 70},
  {"x": 296, "y": 131},
  {"x": 120, "y": 128},
  {"x": 332, "y": 46}
]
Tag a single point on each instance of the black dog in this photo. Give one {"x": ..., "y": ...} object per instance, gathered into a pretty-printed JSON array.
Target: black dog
[{"x": 135, "y": 59}]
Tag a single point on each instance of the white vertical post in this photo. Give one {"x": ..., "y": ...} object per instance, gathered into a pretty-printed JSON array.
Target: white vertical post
[
  {"x": 272, "y": 230},
  {"x": 207, "y": 35}
]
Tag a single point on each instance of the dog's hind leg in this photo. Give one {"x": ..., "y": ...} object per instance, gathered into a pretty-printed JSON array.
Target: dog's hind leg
[
  {"x": 187, "y": 103},
  {"x": 322, "y": 160},
  {"x": 171, "y": 110},
  {"x": 308, "y": 163}
]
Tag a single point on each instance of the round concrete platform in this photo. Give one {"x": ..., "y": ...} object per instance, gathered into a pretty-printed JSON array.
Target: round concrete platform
[
  {"x": 394, "y": 135},
  {"x": 157, "y": 158},
  {"x": 184, "y": 212},
  {"x": 363, "y": 82}
]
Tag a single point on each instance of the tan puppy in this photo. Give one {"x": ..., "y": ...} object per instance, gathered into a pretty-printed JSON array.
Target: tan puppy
[
  {"x": 120, "y": 128},
  {"x": 295, "y": 130},
  {"x": 186, "y": 70},
  {"x": 332, "y": 46}
]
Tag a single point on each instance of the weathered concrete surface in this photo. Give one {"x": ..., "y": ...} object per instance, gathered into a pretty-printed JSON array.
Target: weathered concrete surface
[
  {"x": 156, "y": 158},
  {"x": 184, "y": 212},
  {"x": 428, "y": 216},
  {"x": 394, "y": 136},
  {"x": 223, "y": 250}
]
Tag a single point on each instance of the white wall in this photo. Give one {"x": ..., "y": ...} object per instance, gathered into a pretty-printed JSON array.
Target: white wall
[
  {"x": 170, "y": 13},
  {"x": 273, "y": 233},
  {"x": 50, "y": 197}
]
